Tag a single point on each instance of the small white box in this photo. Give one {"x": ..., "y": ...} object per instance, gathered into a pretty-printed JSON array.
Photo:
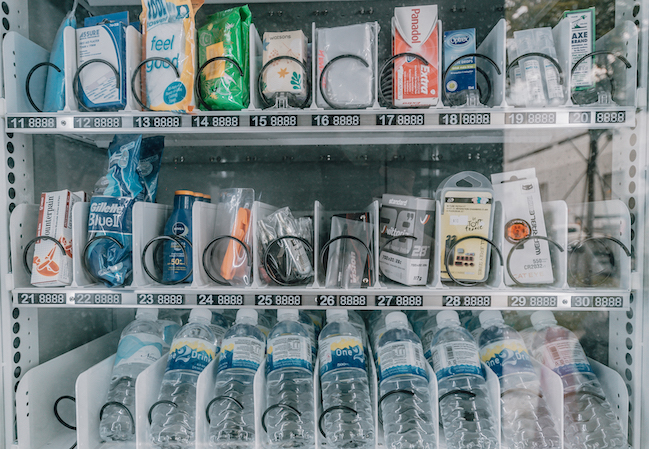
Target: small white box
[{"x": 51, "y": 266}]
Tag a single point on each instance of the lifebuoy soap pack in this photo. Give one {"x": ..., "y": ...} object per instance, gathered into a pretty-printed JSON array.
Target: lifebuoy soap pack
[
  {"x": 518, "y": 191},
  {"x": 406, "y": 260},
  {"x": 51, "y": 266},
  {"x": 415, "y": 30}
]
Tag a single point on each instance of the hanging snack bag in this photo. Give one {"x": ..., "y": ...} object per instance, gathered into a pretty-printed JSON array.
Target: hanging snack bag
[
  {"x": 111, "y": 214},
  {"x": 226, "y": 34},
  {"x": 169, "y": 32}
]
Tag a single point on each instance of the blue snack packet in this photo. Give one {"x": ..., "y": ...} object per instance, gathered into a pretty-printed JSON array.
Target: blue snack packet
[
  {"x": 55, "y": 84},
  {"x": 130, "y": 178}
]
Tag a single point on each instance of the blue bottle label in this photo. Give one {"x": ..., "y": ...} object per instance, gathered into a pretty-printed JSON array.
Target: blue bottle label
[
  {"x": 507, "y": 357},
  {"x": 241, "y": 352},
  {"x": 453, "y": 358},
  {"x": 192, "y": 354},
  {"x": 401, "y": 357},
  {"x": 563, "y": 357},
  {"x": 139, "y": 348},
  {"x": 341, "y": 352},
  {"x": 288, "y": 351}
]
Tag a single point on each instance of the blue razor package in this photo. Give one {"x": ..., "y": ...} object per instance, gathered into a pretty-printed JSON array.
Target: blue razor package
[
  {"x": 103, "y": 38},
  {"x": 134, "y": 164}
]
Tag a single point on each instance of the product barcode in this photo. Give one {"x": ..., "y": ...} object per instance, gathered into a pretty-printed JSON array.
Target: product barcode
[
  {"x": 450, "y": 356},
  {"x": 554, "y": 353}
]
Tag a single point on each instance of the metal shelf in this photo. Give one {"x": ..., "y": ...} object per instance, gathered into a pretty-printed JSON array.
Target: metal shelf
[{"x": 322, "y": 298}]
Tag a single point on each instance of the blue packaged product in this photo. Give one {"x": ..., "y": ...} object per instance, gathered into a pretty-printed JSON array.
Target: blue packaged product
[
  {"x": 111, "y": 214},
  {"x": 462, "y": 76},
  {"x": 55, "y": 84},
  {"x": 149, "y": 166},
  {"x": 178, "y": 263},
  {"x": 103, "y": 38}
]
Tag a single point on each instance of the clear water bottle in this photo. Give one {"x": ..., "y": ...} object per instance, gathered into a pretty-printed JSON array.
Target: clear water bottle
[
  {"x": 465, "y": 409},
  {"x": 589, "y": 420},
  {"x": 193, "y": 348},
  {"x": 344, "y": 383},
  {"x": 232, "y": 414},
  {"x": 289, "y": 384},
  {"x": 427, "y": 333},
  {"x": 139, "y": 346},
  {"x": 526, "y": 418},
  {"x": 219, "y": 327},
  {"x": 407, "y": 417},
  {"x": 306, "y": 321},
  {"x": 170, "y": 322}
]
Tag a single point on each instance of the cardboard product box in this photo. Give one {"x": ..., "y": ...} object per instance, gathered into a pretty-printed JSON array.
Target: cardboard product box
[
  {"x": 415, "y": 30},
  {"x": 407, "y": 261},
  {"x": 51, "y": 267},
  {"x": 582, "y": 42},
  {"x": 518, "y": 191},
  {"x": 462, "y": 76}
]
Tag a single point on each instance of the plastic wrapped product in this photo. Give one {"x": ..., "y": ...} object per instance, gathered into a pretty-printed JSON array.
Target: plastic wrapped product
[
  {"x": 285, "y": 76},
  {"x": 169, "y": 32},
  {"x": 111, "y": 214},
  {"x": 348, "y": 265},
  {"x": 103, "y": 38},
  {"x": 348, "y": 82},
  {"x": 55, "y": 85},
  {"x": 226, "y": 34}
]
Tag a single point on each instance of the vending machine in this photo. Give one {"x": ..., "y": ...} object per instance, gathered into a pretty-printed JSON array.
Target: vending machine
[{"x": 323, "y": 224}]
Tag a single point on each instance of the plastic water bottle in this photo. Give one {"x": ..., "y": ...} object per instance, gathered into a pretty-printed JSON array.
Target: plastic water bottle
[
  {"x": 170, "y": 322},
  {"x": 193, "y": 348},
  {"x": 139, "y": 346},
  {"x": 219, "y": 327},
  {"x": 407, "y": 418},
  {"x": 526, "y": 419},
  {"x": 344, "y": 384},
  {"x": 466, "y": 411},
  {"x": 589, "y": 420},
  {"x": 232, "y": 415},
  {"x": 428, "y": 331},
  {"x": 289, "y": 384}
]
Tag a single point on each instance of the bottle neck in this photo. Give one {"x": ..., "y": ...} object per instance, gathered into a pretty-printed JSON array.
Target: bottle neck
[
  {"x": 544, "y": 324},
  {"x": 246, "y": 320},
  {"x": 183, "y": 202},
  {"x": 490, "y": 323}
]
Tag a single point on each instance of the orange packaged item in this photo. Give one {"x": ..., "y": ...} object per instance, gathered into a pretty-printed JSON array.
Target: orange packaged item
[
  {"x": 51, "y": 266},
  {"x": 415, "y": 30},
  {"x": 235, "y": 257}
]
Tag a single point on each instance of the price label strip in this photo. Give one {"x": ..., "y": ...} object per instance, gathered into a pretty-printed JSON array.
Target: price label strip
[
  {"x": 44, "y": 298},
  {"x": 161, "y": 121},
  {"x": 167, "y": 299},
  {"x": 31, "y": 122},
  {"x": 610, "y": 117},
  {"x": 597, "y": 301},
  {"x": 97, "y": 122},
  {"x": 278, "y": 300},
  {"x": 273, "y": 121},
  {"x": 219, "y": 300},
  {"x": 399, "y": 301},
  {"x": 531, "y": 118},
  {"x": 341, "y": 300},
  {"x": 221, "y": 121},
  {"x": 579, "y": 117},
  {"x": 400, "y": 120},
  {"x": 532, "y": 301},
  {"x": 336, "y": 120},
  {"x": 100, "y": 299},
  {"x": 470, "y": 118},
  {"x": 466, "y": 301}
]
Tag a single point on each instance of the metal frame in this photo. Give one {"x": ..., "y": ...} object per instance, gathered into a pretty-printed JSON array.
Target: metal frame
[{"x": 626, "y": 329}]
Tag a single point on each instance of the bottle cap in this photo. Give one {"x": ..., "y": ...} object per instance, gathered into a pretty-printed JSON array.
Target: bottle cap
[
  {"x": 333, "y": 314},
  {"x": 447, "y": 318},
  {"x": 288, "y": 315},
  {"x": 250, "y": 314},
  {"x": 199, "y": 196},
  {"x": 200, "y": 315},
  {"x": 541, "y": 317},
  {"x": 396, "y": 320},
  {"x": 490, "y": 316},
  {"x": 184, "y": 192},
  {"x": 149, "y": 314},
  {"x": 207, "y": 198}
]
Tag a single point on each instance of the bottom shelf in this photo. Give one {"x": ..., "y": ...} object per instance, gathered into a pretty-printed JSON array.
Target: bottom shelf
[{"x": 84, "y": 374}]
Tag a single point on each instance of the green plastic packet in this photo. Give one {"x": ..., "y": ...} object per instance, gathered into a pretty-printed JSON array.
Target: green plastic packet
[{"x": 226, "y": 34}]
